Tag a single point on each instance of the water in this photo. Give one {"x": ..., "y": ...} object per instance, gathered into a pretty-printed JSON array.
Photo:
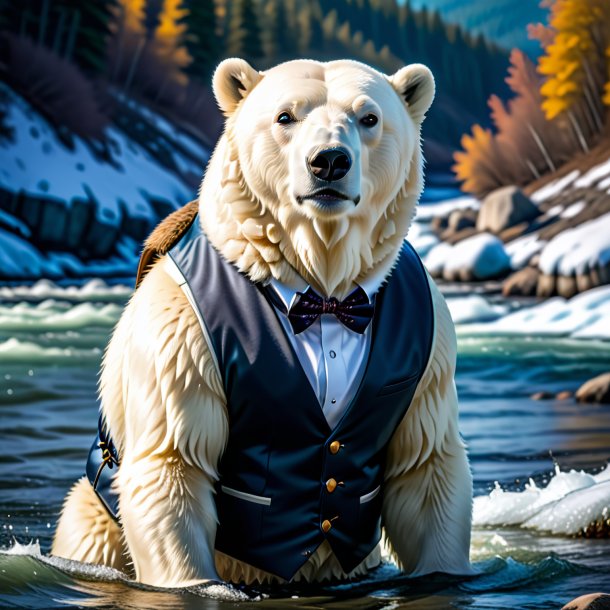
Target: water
[{"x": 49, "y": 356}]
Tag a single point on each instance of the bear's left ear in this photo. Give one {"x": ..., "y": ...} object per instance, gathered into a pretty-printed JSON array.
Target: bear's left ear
[
  {"x": 415, "y": 85},
  {"x": 233, "y": 80}
]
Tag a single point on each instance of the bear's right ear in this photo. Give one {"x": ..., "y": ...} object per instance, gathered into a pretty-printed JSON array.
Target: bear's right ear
[{"x": 233, "y": 80}]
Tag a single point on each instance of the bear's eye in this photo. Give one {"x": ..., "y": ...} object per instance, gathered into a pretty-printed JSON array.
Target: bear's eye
[
  {"x": 369, "y": 120},
  {"x": 284, "y": 118}
]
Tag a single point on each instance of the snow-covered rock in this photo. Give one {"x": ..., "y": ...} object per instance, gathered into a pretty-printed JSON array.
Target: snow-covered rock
[
  {"x": 480, "y": 257},
  {"x": 425, "y": 213},
  {"x": 474, "y": 308},
  {"x": 584, "y": 316},
  {"x": 523, "y": 249},
  {"x": 81, "y": 197},
  {"x": 555, "y": 187}
]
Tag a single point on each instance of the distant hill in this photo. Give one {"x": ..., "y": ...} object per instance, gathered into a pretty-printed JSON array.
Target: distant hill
[{"x": 503, "y": 21}]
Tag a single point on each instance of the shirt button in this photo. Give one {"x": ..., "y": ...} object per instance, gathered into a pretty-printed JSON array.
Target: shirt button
[
  {"x": 331, "y": 485},
  {"x": 326, "y": 525},
  {"x": 334, "y": 447},
  {"x": 334, "y": 400},
  {"x": 332, "y": 353}
]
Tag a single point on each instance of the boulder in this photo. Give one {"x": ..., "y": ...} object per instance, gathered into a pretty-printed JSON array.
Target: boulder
[
  {"x": 480, "y": 257},
  {"x": 81, "y": 214},
  {"x": 462, "y": 219},
  {"x": 54, "y": 214},
  {"x": 595, "y": 390},
  {"x": 522, "y": 283},
  {"x": 453, "y": 237},
  {"x": 503, "y": 208},
  {"x": 593, "y": 601}
]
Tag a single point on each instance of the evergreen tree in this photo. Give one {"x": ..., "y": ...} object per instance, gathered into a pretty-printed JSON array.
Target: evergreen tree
[
  {"x": 282, "y": 39},
  {"x": 201, "y": 37},
  {"x": 76, "y": 30},
  {"x": 244, "y": 39}
]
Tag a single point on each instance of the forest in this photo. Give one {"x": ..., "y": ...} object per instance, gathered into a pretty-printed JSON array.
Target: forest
[{"x": 77, "y": 62}]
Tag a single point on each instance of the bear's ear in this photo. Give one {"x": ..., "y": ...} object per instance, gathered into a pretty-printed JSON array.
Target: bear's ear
[
  {"x": 415, "y": 85},
  {"x": 233, "y": 80}
]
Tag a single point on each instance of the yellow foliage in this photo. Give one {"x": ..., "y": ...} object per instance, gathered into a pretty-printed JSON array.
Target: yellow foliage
[
  {"x": 167, "y": 42},
  {"x": 578, "y": 25}
]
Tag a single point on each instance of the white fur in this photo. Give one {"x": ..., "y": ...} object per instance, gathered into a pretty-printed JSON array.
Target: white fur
[{"x": 161, "y": 392}]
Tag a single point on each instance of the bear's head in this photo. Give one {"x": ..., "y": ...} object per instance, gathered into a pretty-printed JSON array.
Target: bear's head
[{"x": 318, "y": 171}]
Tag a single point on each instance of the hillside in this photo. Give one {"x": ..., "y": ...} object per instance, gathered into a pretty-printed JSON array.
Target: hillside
[{"x": 503, "y": 21}]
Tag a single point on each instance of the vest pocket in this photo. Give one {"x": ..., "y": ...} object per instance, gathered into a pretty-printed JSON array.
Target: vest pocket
[
  {"x": 240, "y": 516},
  {"x": 369, "y": 515},
  {"x": 242, "y": 495},
  {"x": 398, "y": 386}
]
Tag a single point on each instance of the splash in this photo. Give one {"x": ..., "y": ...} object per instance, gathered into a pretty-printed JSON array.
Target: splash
[{"x": 573, "y": 503}]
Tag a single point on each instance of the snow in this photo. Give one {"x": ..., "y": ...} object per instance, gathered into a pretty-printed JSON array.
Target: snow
[
  {"x": 478, "y": 257},
  {"x": 422, "y": 238},
  {"x": 567, "y": 505},
  {"x": 474, "y": 308},
  {"x": 577, "y": 250},
  {"x": 426, "y": 213},
  {"x": 555, "y": 187},
  {"x": 38, "y": 163},
  {"x": 573, "y": 210},
  {"x": 594, "y": 175},
  {"x": 21, "y": 260},
  {"x": 584, "y": 316},
  {"x": 522, "y": 249}
]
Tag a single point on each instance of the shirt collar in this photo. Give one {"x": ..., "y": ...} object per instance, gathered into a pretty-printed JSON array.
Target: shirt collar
[{"x": 287, "y": 291}]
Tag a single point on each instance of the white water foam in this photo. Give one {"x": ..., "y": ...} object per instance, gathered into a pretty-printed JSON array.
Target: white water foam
[
  {"x": 13, "y": 350},
  {"x": 49, "y": 315},
  {"x": 571, "y": 502},
  {"x": 93, "y": 290}
]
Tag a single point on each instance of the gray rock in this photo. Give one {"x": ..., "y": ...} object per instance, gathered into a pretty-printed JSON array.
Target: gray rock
[
  {"x": 103, "y": 230},
  {"x": 81, "y": 214},
  {"x": 595, "y": 390},
  {"x": 503, "y": 208},
  {"x": 53, "y": 220},
  {"x": 461, "y": 219}
]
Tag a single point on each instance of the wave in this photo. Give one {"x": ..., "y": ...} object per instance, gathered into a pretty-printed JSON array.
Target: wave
[
  {"x": 16, "y": 351},
  {"x": 573, "y": 503},
  {"x": 49, "y": 315},
  {"x": 93, "y": 290}
]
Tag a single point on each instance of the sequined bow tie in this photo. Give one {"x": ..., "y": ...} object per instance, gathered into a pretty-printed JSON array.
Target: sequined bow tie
[{"x": 355, "y": 311}]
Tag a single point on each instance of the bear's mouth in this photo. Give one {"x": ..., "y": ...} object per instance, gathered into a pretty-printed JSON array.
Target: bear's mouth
[{"x": 327, "y": 196}]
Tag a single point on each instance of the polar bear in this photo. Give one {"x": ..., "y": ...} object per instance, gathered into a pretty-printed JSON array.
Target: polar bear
[{"x": 314, "y": 183}]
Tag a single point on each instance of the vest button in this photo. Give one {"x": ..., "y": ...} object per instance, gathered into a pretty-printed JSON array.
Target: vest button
[
  {"x": 334, "y": 447},
  {"x": 331, "y": 485},
  {"x": 326, "y": 525}
]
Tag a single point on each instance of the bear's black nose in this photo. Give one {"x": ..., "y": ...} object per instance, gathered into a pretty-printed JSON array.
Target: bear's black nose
[{"x": 331, "y": 164}]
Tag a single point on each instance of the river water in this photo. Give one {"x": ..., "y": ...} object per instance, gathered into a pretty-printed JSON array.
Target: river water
[{"x": 51, "y": 341}]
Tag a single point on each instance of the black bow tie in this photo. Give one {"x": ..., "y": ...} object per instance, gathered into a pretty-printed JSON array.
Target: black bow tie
[{"x": 355, "y": 311}]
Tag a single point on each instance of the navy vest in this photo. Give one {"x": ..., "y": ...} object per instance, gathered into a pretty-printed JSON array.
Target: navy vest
[{"x": 287, "y": 481}]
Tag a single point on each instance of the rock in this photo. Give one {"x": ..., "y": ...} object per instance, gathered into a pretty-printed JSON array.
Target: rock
[
  {"x": 81, "y": 213},
  {"x": 595, "y": 390},
  {"x": 521, "y": 283},
  {"x": 546, "y": 286},
  {"x": 462, "y": 219},
  {"x": 480, "y": 257},
  {"x": 503, "y": 208},
  {"x": 566, "y": 286},
  {"x": 514, "y": 232},
  {"x": 103, "y": 230},
  {"x": 453, "y": 238},
  {"x": 53, "y": 221},
  {"x": 565, "y": 395},
  {"x": 542, "y": 396},
  {"x": 439, "y": 224},
  {"x": 593, "y": 601}
]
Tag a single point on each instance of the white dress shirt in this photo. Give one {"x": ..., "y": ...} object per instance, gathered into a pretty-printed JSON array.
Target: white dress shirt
[{"x": 333, "y": 356}]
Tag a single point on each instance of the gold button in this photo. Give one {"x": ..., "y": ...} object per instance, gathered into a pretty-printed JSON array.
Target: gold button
[
  {"x": 334, "y": 447},
  {"x": 331, "y": 485},
  {"x": 326, "y": 525}
]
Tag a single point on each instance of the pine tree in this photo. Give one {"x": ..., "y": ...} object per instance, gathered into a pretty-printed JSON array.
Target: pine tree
[
  {"x": 244, "y": 39},
  {"x": 282, "y": 38},
  {"x": 169, "y": 37},
  {"x": 201, "y": 37}
]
